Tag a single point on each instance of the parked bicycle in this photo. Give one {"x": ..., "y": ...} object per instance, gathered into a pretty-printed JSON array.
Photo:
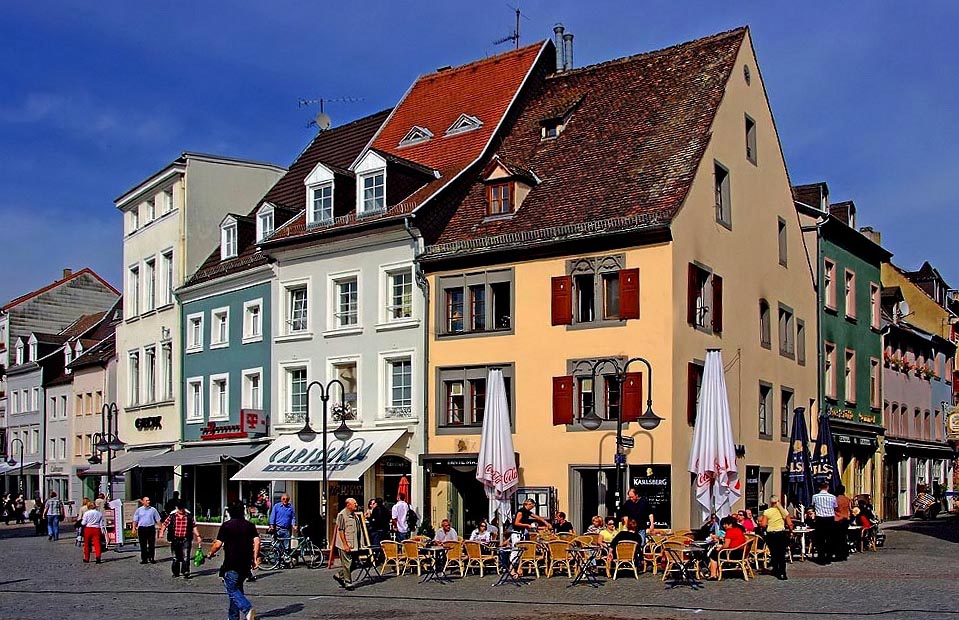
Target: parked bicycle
[{"x": 282, "y": 552}]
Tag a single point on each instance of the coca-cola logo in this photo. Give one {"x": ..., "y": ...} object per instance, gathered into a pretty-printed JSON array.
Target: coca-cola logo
[{"x": 501, "y": 478}]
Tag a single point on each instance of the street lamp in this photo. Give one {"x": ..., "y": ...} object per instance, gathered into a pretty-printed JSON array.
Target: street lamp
[
  {"x": 647, "y": 421},
  {"x": 107, "y": 441},
  {"x": 307, "y": 434},
  {"x": 11, "y": 461}
]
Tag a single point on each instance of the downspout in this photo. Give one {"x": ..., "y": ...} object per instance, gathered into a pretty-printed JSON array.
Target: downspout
[
  {"x": 820, "y": 396},
  {"x": 423, "y": 284}
]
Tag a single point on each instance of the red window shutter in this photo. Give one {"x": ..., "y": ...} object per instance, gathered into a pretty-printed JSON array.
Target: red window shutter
[
  {"x": 692, "y": 377},
  {"x": 717, "y": 304},
  {"x": 692, "y": 288},
  {"x": 632, "y": 396},
  {"x": 562, "y": 300},
  {"x": 562, "y": 400},
  {"x": 628, "y": 294}
]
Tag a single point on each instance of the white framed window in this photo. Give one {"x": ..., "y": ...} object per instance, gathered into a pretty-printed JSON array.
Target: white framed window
[
  {"x": 829, "y": 361},
  {"x": 829, "y": 284},
  {"x": 220, "y": 328},
  {"x": 63, "y": 406},
  {"x": 61, "y": 448},
  {"x": 133, "y": 383},
  {"x": 150, "y": 374},
  {"x": 253, "y": 320},
  {"x": 20, "y": 359},
  {"x": 294, "y": 377},
  {"x": 399, "y": 294},
  {"x": 228, "y": 239},
  {"x": 295, "y": 315},
  {"x": 168, "y": 200},
  {"x": 16, "y": 402},
  {"x": 36, "y": 399},
  {"x": 874, "y": 305},
  {"x": 397, "y": 381},
  {"x": 220, "y": 397},
  {"x": 133, "y": 280},
  {"x": 134, "y": 219},
  {"x": 347, "y": 370},
  {"x": 321, "y": 203},
  {"x": 345, "y": 299},
  {"x": 194, "y": 395},
  {"x": 151, "y": 209},
  {"x": 194, "y": 332},
  {"x": 53, "y": 408},
  {"x": 253, "y": 389},
  {"x": 265, "y": 223},
  {"x": 166, "y": 269},
  {"x": 149, "y": 284},
  {"x": 850, "y": 293},
  {"x": 166, "y": 355},
  {"x": 373, "y": 188},
  {"x": 849, "y": 372},
  {"x": 34, "y": 349}
]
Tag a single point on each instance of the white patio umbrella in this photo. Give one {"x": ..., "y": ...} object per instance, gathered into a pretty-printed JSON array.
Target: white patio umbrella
[
  {"x": 713, "y": 455},
  {"x": 496, "y": 465}
]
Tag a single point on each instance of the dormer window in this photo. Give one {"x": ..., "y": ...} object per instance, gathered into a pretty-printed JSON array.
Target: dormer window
[
  {"x": 67, "y": 356},
  {"x": 551, "y": 128},
  {"x": 228, "y": 240},
  {"x": 499, "y": 199},
  {"x": 416, "y": 135},
  {"x": 464, "y": 123},
  {"x": 370, "y": 184},
  {"x": 321, "y": 203},
  {"x": 33, "y": 349},
  {"x": 264, "y": 222},
  {"x": 20, "y": 359}
]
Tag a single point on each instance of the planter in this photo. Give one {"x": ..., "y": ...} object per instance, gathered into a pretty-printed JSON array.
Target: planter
[{"x": 208, "y": 530}]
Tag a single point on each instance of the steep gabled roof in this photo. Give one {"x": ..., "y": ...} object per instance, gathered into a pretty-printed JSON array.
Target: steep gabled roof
[
  {"x": 636, "y": 131},
  {"x": 40, "y": 291},
  {"x": 483, "y": 90},
  {"x": 99, "y": 353}
]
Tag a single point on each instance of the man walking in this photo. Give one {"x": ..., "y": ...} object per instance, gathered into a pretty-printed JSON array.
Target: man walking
[
  {"x": 283, "y": 521},
  {"x": 242, "y": 543},
  {"x": 778, "y": 525},
  {"x": 841, "y": 525},
  {"x": 181, "y": 531},
  {"x": 825, "y": 505},
  {"x": 91, "y": 524},
  {"x": 346, "y": 540},
  {"x": 399, "y": 513},
  {"x": 145, "y": 519},
  {"x": 53, "y": 512}
]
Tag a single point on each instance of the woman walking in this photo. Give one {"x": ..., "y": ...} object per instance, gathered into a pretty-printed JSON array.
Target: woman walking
[
  {"x": 778, "y": 526},
  {"x": 92, "y": 525}
]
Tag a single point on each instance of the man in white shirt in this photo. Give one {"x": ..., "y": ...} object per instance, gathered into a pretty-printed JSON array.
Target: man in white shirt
[
  {"x": 446, "y": 533},
  {"x": 825, "y": 505},
  {"x": 400, "y": 511},
  {"x": 145, "y": 520}
]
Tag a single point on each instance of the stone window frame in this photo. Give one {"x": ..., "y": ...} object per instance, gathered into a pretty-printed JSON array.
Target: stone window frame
[{"x": 597, "y": 266}]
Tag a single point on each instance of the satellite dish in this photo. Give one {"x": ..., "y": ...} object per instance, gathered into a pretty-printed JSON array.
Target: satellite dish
[
  {"x": 323, "y": 121},
  {"x": 903, "y": 308}
]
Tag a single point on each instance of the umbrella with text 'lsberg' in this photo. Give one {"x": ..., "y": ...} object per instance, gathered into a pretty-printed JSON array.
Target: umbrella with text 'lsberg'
[
  {"x": 713, "y": 455},
  {"x": 496, "y": 464},
  {"x": 824, "y": 457},
  {"x": 798, "y": 465}
]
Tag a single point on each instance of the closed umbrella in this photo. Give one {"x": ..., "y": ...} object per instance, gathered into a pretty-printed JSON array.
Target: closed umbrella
[
  {"x": 496, "y": 464},
  {"x": 798, "y": 466},
  {"x": 713, "y": 455},
  {"x": 404, "y": 488},
  {"x": 824, "y": 457}
]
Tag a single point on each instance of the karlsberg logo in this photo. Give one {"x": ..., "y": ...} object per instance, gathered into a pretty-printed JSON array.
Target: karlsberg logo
[{"x": 341, "y": 455}]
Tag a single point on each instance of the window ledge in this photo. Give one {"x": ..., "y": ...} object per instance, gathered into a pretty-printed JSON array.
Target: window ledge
[
  {"x": 596, "y": 324},
  {"x": 147, "y": 313},
  {"x": 765, "y": 437},
  {"x": 132, "y": 319},
  {"x": 787, "y": 354},
  {"x": 294, "y": 337},
  {"x": 252, "y": 339},
  {"x": 852, "y": 318},
  {"x": 167, "y": 306},
  {"x": 190, "y": 350},
  {"x": 499, "y": 217},
  {"x": 397, "y": 422},
  {"x": 830, "y": 309},
  {"x": 145, "y": 406},
  {"x": 459, "y": 430},
  {"x": 196, "y": 421},
  {"x": 397, "y": 324},
  {"x": 219, "y": 419},
  {"x": 220, "y": 345},
  {"x": 766, "y": 345},
  {"x": 342, "y": 331},
  {"x": 476, "y": 334}
]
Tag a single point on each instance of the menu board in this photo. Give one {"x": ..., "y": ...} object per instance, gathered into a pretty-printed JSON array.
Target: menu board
[
  {"x": 752, "y": 487},
  {"x": 654, "y": 483}
]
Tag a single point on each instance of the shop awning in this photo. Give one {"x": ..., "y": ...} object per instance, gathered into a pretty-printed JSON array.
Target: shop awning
[
  {"x": 203, "y": 455},
  {"x": 123, "y": 462},
  {"x": 30, "y": 467},
  {"x": 288, "y": 458},
  {"x": 919, "y": 447}
]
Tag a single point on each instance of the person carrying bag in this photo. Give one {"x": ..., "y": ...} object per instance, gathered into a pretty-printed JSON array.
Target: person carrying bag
[{"x": 778, "y": 526}]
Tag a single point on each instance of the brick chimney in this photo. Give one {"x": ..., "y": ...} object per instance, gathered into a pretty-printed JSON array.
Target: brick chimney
[
  {"x": 873, "y": 234},
  {"x": 67, "y": 273}
]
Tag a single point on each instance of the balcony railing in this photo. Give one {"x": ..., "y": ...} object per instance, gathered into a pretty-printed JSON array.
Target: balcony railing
[{"x": 395, "y": 413}]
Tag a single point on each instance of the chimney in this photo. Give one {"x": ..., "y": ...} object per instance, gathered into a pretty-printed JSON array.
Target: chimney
[
  {"x": 567, "y": 51},
  {"x": 874, "y": 235},
  {"x": 558, "y": 42},
  {"x": 67, "y": 273}
]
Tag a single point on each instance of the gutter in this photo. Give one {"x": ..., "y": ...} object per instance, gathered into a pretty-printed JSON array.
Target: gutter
[
  {"x": 423, "y": 284},
  {"x": 820, "y": 352}
]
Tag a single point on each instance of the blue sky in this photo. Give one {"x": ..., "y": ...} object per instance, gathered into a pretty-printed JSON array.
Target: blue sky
[{"x": 95, "y": 96}]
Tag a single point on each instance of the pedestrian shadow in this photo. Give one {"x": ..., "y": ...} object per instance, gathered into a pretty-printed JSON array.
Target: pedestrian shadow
[
  {"x": 289, "y": 610},
  {"x": 943, "y": 528}
]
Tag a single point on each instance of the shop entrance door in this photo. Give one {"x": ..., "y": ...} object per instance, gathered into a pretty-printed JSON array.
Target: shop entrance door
[
  {"x": 307, "y": 506},
  {"x": 597, "y": 493},
  {"x": 890, "y": 509}
]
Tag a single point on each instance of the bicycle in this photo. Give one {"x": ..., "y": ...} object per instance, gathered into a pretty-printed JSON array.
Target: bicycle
[{"x": 288, "y": 552}]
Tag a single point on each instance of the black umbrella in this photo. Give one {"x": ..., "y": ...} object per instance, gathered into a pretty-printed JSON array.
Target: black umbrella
[
  {"x": 799, "y": 480},
  {"x": 824, "y": 458}
]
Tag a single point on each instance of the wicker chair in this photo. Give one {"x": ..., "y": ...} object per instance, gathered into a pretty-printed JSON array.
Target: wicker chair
[
  {"x": 624, "y": 557},
  {"x": 412, "y": 557},
  {"x": 676, "y": 558},
  {"x": 392, "y": 556},
  {"x": 475, "y": 558},
  {"x": 567, "y": 536},
  {"x": 455, "y": 557},
  {"x": 759, "y": 552},
  {"x": 652, "y": 551},
  {"x": 558, "y": 558},
  {"x": 528, "y": 556},
  {"x": 737, "y": 559},
  {"x": 584, "y": 540}
]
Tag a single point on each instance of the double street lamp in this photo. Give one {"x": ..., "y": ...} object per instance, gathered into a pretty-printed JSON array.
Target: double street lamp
[
  {"x": 307, "y": 434},
  {"x": 107, "y": 441},
  {"x": 12, "y": 461},
  {"x": 647, "y": 421}
]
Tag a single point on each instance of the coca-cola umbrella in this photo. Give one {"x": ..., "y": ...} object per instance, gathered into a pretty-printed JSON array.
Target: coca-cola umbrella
[{"x": 496, "y": 464}]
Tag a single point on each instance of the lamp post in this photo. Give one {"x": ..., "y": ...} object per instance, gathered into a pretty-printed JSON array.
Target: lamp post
[
  {"x": 11, "y": 462},
  {"x": 648, "y": 421},
  {"x": 307, "y": 434},
  {"x": 107, "y": 441}
]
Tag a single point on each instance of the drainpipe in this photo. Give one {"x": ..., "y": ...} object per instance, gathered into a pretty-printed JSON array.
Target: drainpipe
[
  {"x": 820, "y": 395},
  {"x": 423, "y": 284}
]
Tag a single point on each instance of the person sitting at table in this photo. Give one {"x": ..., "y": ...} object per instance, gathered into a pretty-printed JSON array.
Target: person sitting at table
[
  {"x": 561, "y": 525},
  {"x": 526, "y": 519},
  {"x": 446, "y": 533},
  {"x": 608, "y": 533},
  {"x": 508, "y": 553},
  {"x": 481, "y": 533},
  {"x": 493, "y": 528},
  {"x": 595, "y": 526},
  {"x": 745, "y": 519},
  {"x": 710, "y": 529},
  {"x": 735, "y": 536}
]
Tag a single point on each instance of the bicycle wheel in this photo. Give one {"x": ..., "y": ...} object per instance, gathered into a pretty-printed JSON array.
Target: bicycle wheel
[
  {"x": 272, "y": 557},
  {"x": 311, "y": 554}
]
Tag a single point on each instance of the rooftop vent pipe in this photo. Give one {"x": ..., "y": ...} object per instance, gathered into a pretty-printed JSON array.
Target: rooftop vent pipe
[
  {"x": 567, "y": 51},
  {"x": 558, "y": 42}
]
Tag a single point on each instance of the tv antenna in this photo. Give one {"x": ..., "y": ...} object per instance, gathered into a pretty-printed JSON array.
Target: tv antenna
[
  {"x": 322, "y": 120},
  {"x": 514, "y": 37}
]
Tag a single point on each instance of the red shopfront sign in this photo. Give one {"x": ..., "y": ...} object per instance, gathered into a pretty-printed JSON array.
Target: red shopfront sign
[{"x": 252, "y": 422}]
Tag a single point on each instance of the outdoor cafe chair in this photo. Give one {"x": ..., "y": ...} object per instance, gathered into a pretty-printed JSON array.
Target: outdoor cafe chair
[
  {"x": 652, "y": 551},
  {"x": 455, "y": 557},
  {"x": 392, "y": 556},
  {"x": 412, "y": 557},
  {"x": 678, "y": 560},
  {"x": 584, "y": 540},
  {"x": 476, "y": 558},
  {"x": 558, "y": 558},
  {"x": 567, "y": 536},
  {"x": 737, "y": 559},
  {"x": 624, "y": 557},
  {"x": 528, "y": 556},
  {"x": 759, "y": 552}
]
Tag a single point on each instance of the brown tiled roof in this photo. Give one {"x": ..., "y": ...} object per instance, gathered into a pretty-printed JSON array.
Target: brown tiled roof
[
  {"x": 337, "y": 148},
  {"x": 636, "y": 133},
  {"x": 82, "y": 325},
  {"x": 484, "y": 89},
  {"x": 810, "y": 194},
  {"x": 40, "y": 291},
  {"x": 100, "y": 353}
]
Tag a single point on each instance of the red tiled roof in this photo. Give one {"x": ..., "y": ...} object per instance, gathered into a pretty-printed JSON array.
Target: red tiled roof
[
  {"x": 40, "y": 291},
  {"x": 636, "y": 133},
  {"x": 484, "y": 89}
]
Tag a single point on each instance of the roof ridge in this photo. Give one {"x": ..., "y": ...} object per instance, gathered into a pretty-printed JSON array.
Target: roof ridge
[
  {"x": 741, "y": 30},
  {"x": 477, "y": 63},
  {"x": 27, "y": 296}
]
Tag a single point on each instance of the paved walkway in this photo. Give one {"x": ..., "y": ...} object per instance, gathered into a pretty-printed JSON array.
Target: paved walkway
[{"x": 915, "y": 575}]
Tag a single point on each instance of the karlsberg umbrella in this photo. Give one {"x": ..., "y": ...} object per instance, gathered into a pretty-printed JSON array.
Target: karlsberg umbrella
[
  {"x": 824, "y": 457},
  {"x": 496, "y": 465},
  {"x": 713, "y": 455},
  {"x": 798, "y": 465}
]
